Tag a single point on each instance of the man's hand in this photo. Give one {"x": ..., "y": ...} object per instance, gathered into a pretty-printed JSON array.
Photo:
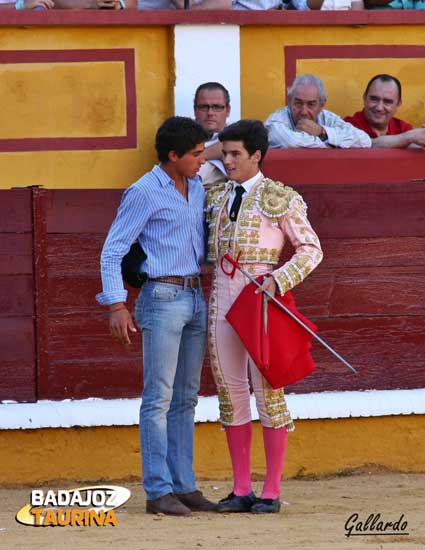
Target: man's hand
[
  {"x": 308, "y": 126},
  {"x": 46, "y": 4},
  {"x": 204, "y": 4},
  {"x": 416, "y": 136},
  {"x": 120, "y": 322},
  {"x": 108, "y": 5},
  {"x": 269, "y": 284}
]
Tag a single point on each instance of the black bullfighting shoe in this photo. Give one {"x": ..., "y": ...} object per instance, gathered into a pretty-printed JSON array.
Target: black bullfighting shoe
[
  {"x": 266, "y": 506},
  {"x": 234, "y": 503}
]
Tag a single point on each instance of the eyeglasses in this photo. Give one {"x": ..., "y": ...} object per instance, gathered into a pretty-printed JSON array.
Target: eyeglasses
[{"x": 215, "y": 108}]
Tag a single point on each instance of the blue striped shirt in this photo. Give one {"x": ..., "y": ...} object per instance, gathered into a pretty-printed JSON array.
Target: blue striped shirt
[{"x": 169, "y": 228}]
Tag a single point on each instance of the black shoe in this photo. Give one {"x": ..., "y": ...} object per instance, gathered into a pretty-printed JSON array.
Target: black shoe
[
  {"x": 266, "y": 506},
  {"x": 234, "y": 503},
  {"x": 169, "y": 505},
  {"x": 196, "y": 502}
]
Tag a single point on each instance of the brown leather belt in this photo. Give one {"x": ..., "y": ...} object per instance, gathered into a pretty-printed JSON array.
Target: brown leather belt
[{"x": 193, "y": 281}]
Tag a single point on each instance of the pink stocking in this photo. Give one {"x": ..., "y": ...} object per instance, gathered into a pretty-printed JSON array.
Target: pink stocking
[
  {"x": 275, "y": 447},
  {"x": 239, "y": 443}
]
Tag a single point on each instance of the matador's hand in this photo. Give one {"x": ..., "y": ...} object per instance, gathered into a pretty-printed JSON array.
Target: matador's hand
[{"x": 269, "y": 284}]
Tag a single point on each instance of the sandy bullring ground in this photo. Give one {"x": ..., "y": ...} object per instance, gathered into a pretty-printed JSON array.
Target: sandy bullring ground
[{"x": 314, "y": 516}]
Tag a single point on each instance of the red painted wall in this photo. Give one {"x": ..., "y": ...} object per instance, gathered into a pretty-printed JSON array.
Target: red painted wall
[
  {"x": 367, "y": 296},
  {"x": 294, "y": 166},
  {"x": 17, "y": 329}
]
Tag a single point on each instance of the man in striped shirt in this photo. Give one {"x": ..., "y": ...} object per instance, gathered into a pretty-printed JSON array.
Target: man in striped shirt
[{"x": 163, "y": 210}]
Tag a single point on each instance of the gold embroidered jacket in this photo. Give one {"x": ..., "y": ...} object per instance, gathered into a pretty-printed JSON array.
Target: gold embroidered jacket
[{"x": 270, "y": 214}]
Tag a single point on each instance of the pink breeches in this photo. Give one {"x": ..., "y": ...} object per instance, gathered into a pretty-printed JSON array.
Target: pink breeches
[{"x": 230, "y": 361}]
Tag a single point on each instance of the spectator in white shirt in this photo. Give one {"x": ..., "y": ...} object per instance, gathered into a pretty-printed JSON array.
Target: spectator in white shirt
[
  {"x": 179, "y": 4},
  {"x": 305, "y": 122},
  {"x": 257, "y": 4}
]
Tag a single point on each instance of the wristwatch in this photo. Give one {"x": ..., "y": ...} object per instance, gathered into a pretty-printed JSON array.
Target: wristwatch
[{"x": 323, "y": 136}]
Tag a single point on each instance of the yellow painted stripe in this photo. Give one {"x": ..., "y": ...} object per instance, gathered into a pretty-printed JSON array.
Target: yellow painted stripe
[{"x": 316, "y": 447}]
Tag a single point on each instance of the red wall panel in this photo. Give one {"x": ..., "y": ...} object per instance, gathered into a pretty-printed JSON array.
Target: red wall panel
[
  {"x": 17, "y": 334},
  {"x": 367, "y": 296}
]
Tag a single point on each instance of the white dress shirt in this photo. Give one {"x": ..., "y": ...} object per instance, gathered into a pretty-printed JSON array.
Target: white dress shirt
[
  {"x": 247, "y": 185},
  {"x": 282, "y": 132}
]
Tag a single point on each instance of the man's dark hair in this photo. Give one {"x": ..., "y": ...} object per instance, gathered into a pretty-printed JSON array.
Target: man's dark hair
[
  {"x": 212, "y": 86},
  {"x": 385, "y": 78},
  {"x": 179, "y": 134},
  {"x": 252, "y": 133}
]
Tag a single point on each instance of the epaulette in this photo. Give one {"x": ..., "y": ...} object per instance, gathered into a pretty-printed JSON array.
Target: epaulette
[
  {"x": 274, "y": 199},
  {"x": 216, "y": 190},
  {"x": 216, "y": 195}
]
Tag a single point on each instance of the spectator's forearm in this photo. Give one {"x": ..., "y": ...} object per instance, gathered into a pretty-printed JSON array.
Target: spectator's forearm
[
  {"x": 214, "y": 152},
  {"x": 205, "y": 4},
  {"x": 377, "y": 3},
  {"x": 388, "y": 142},
  {"x": 76, "y": 4}
]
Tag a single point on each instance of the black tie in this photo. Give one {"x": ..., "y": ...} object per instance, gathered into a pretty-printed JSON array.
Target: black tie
[{"x": 236, "y": 204}]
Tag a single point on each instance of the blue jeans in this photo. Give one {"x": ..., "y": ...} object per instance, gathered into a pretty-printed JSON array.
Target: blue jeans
[{"x": 173, "y": 321}]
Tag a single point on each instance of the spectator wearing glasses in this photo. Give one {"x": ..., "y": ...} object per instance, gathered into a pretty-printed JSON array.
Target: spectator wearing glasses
[
  {"x": 212, "y": 108},
  {"x": 305, "y": 122}
]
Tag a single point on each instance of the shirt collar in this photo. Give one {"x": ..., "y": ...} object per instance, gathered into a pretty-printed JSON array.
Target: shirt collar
[
  {"x": 249, "y": 184},
  {"x": 164, "y": 179},
  {"x": 162, "y": 176}
]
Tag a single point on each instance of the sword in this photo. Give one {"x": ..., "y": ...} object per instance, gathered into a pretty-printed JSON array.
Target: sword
[{"x": 236, "y": 265}]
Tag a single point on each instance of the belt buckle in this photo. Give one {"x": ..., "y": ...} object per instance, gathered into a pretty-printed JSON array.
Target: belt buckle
[{"x": 191, "y": 281}]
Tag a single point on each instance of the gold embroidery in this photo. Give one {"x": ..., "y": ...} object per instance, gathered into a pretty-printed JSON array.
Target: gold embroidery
[
  {"x": 251, "y": 255},
  {"x": 254, "y": 237},
  {"x": 255, "y": 222},
  {"x": 274, "y": 199},
  {"x": 248, "y": 203},
  {"x": 244, "y": 218},
  {"x": 243, "y": 237},
  {"x": 249, "y": 220},
  {"x": 225, "y": 405},
  {"x": 216, "y": 198},
  {"x": 277, "y": 408}
]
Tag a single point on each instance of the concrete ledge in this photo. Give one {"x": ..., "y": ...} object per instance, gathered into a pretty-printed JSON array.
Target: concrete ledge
[
  {"x": 96, "y": 18},
  {"x": 125, "y": 412}
]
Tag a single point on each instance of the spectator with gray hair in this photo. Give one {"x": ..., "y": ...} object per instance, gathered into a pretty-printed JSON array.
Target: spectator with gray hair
[{"x": 305, "y": 122}]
